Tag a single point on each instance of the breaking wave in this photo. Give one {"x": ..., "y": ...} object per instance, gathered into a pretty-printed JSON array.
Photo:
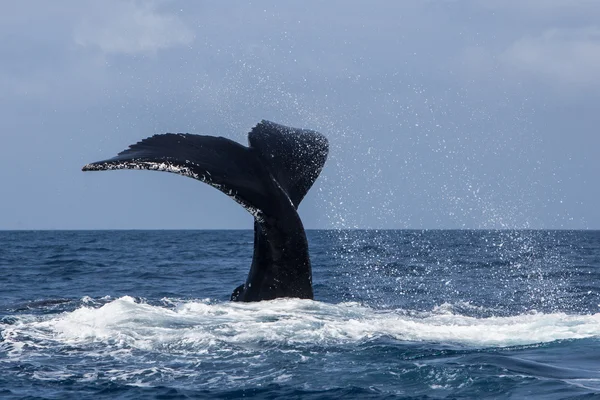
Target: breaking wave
[{"x": 184, "y": 326}]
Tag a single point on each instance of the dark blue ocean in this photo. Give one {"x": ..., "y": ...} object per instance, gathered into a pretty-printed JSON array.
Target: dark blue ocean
[{"x": 397, "y": 314}]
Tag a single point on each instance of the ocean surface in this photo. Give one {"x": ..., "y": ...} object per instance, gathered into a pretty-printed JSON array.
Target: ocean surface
[{"x": 397, "y": 314}]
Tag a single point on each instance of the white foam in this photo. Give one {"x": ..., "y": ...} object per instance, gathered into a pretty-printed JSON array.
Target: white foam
[{"x": 201, "y": 327}]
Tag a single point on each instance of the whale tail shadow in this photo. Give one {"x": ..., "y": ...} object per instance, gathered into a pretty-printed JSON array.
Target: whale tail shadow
[{"x": 269, "y": 178}]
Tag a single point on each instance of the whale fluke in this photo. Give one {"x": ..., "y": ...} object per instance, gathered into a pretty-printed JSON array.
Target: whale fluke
[
  {"x": 269, "y": 179},
  {"x": 295, "y": 157}
]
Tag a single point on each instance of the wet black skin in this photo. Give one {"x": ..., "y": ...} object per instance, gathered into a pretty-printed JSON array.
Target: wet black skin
[
  {"x": 280, "y": 263},
  {"x": 269, "y": 178}
]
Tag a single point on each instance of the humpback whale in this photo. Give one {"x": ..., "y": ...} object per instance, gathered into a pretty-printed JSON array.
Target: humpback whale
[{"x": 269, "y": 178}]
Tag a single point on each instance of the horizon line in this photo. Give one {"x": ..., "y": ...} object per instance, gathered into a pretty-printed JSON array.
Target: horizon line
[{"x": 307, "y": 229}]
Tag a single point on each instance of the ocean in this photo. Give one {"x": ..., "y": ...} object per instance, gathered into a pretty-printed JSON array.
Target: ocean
[{"x": 397, "y": 314}]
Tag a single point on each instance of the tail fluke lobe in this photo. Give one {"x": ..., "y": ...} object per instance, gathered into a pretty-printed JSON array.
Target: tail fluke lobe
[
  {"x": 222, "y": 163},
  {"x": 295, "y": 157}
]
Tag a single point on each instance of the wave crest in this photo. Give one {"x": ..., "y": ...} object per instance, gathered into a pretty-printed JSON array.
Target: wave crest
[{"x": 199, "y": 326}]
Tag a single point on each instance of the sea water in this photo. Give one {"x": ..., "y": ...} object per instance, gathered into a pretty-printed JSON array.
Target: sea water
[{"x": 396, "y": 314}]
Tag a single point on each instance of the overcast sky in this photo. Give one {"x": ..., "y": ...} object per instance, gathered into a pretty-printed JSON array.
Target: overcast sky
[{"x": 440, "y": 113}]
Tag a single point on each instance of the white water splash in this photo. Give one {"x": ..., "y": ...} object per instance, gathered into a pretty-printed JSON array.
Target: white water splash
[{"x": 201, "y": 327}]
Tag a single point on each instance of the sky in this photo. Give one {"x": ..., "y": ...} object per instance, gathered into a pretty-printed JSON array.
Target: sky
[{"x": 446, "y": 114}]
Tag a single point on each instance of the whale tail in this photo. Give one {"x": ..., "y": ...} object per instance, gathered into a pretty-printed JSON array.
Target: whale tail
[
  {"x": 269, "y": 179},
  {"x": 294, "y": 157},
  {"x": 279, "y": 158}
]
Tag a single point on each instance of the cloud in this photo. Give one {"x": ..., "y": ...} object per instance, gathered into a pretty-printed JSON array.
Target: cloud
[
  {"x": 131, "y": 27},
  {"x": 563, "y": 56}
]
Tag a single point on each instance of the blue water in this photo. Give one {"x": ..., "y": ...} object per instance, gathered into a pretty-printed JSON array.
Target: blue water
[{"x": 397, "y": 314}]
